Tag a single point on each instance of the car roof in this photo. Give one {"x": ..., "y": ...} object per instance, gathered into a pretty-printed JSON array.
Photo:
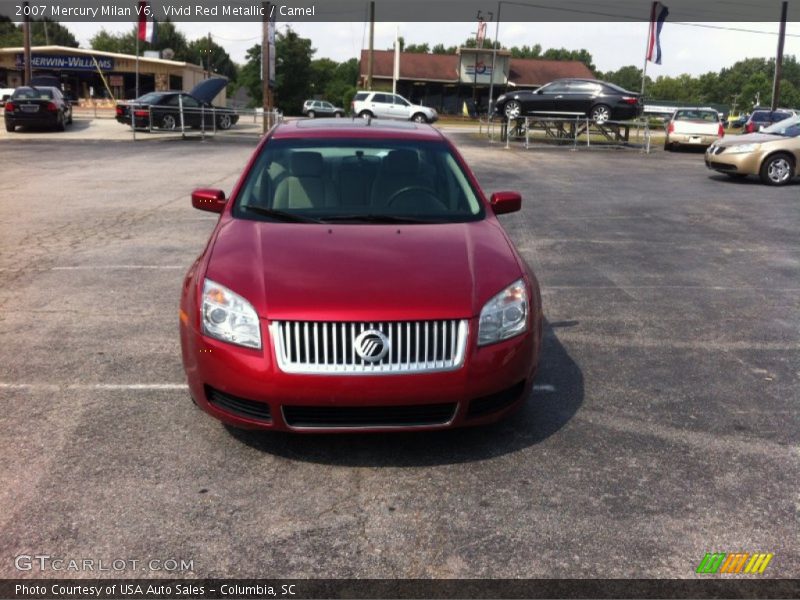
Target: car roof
[{"x": 356, "y": 128}]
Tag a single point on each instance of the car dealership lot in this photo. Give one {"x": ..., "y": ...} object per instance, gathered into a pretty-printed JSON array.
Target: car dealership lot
[{"x": 663, "y": 424}]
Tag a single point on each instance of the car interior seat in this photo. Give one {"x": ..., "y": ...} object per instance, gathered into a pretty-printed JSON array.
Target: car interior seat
[{"x": 306, "y": 186}]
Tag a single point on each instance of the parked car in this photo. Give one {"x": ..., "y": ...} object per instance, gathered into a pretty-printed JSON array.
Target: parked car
[
  {"x": 163, "y": 109},
  {"x": 773, "y": 153},
  {"x": 693, "y": 127},
  {"x": 764, "y": 117},
  {"x": 32, "y": 106},
  {"x": 320, "y": 108},
  {"x": 600, "y": 100},
  {"x": 382, "y": 105},
  {"x": 738, "y": 120},
  {"x": 359, "y": 279}
]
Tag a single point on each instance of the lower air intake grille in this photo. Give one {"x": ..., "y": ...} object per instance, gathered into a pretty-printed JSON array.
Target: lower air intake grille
[
  {"x": 495, "y": 402},
  {"x": 238, "y": 406},
  {"x": 331, "y": 417}
]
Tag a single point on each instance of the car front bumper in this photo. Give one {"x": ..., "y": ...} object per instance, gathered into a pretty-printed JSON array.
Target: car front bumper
[
  {"x": 246, "y": 389},
  {"x": 748, "y": 163}
]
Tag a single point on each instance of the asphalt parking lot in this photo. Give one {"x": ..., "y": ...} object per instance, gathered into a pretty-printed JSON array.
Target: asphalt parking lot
[{"x": 664, "y": 423}]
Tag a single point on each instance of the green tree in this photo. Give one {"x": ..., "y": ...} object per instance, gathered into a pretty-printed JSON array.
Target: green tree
[
  {"x": 581, "y": 55},
  {"x": 526, "y": 51},
  {"x": 629, "y": 77},
  {"x": 212, "y": 56},
  {"x": 418, "y": 48},
  {"x": 293, "y": 70},
  {"x": 250, "y": 75},
  {"x": 122, "y": 43},
  {"x": 44, "y": 32}
]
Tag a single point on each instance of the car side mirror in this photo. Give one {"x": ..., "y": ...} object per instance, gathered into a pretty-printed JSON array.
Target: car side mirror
[
  {"x": 209, "y": 199},
  {"x": 506, "y": 202}
]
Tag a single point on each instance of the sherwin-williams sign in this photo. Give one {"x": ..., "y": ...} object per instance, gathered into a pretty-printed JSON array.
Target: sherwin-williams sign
[{"x": 72, "y": 63}]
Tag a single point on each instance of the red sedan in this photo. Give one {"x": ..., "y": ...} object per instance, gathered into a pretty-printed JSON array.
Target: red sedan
[{"x": 359, "y": 279}]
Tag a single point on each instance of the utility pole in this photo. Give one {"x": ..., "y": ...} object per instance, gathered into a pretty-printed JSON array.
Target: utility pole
[
  {"x": 26, "y": 35},
  {"x": 266, "y": 91},
  {"x": 776, "y": 82},
  {"x": 494, "y": 61},
  {"x": 208, "y": 56},
  {"x": 371, "y": 44}
]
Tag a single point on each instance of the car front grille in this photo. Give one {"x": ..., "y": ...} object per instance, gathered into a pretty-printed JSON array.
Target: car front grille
[
  {"x": 344, "y": 417},
  {"x": 240, "y": 407},
  {"x": 344, "y": 348}
]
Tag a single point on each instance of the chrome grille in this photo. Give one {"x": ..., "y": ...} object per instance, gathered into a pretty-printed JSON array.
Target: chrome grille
[{"x": 330, "y": 348}]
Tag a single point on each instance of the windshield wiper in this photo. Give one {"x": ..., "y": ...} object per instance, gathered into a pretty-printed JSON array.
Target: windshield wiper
[
  {"x": 280, "y": 215},
  {"x": 389, "y": 219}
]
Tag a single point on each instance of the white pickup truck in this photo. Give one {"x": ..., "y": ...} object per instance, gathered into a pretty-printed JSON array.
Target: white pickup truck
[{"x": 693, "y": 127}]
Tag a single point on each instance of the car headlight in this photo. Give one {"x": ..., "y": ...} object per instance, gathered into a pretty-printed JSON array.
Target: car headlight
[
  {"x": 742, "y": 148},
  {"x": 505, "y": 315},
  {"x": 229, "y": 317}
]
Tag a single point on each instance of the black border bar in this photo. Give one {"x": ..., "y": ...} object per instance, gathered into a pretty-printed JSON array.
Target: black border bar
[
  {"x": 403, "y": 11},
  {"x": 251, "y": 589}
]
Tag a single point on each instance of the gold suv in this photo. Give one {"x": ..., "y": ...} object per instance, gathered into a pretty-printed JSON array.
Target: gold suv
[{"x": 773, "y": 153}]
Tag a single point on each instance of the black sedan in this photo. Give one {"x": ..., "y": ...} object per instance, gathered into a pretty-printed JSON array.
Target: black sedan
[
  {"x": 37, "y": 107},
  {"x": 600, "y": 100},
  {"x": 163, "y": 110}
]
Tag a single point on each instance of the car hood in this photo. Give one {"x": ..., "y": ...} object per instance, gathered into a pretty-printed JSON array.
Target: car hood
[
  {"x": 207, "y": 90},
  {"x": 749, "y": 138},
  {"x": 363, "y": 272}
]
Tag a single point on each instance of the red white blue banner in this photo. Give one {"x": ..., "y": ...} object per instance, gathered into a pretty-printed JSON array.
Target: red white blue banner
[
  {"x": 147, "y": 27},
  {"x": 658, "y": 14}
]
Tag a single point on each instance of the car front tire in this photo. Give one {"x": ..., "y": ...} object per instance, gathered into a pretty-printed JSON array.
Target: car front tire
[
  {"x": 512, "y": 109},
  {"x": 311, "y": 114},
  {"x": 600, "y": 114},
  {"x": 419, "y": 118},
  {"x": 778, "y": 169}
]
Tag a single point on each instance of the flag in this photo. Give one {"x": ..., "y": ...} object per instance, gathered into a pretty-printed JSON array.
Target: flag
[
  {"x": 147, "y": 27},
  {"x": 658, "y": 14}
]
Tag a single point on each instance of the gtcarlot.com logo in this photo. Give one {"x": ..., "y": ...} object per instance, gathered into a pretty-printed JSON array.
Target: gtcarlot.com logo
[
  {"x": 735, "y": 562},
  {"x": 46, "y": 562}
]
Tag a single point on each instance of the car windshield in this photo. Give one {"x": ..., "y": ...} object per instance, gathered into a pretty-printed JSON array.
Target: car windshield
[
  {"x": 33, "y": 94},
  {"x": 788, "y": 127},
  {"x": 151, "y": 98},
  {"x": 710, "y": 116},
  {"x": 358, "y": 181}
]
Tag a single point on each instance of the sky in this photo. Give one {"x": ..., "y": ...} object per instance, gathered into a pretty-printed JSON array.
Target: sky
[{"x": 685, "y": 48}]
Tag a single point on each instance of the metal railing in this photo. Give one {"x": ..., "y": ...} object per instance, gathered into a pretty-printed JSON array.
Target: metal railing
[
  {"x": 190, "y": 121},
  {"x": 569, "y": 127}
]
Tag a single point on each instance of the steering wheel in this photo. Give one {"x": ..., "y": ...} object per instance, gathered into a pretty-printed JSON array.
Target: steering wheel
[{"x": 419, "y": 191}]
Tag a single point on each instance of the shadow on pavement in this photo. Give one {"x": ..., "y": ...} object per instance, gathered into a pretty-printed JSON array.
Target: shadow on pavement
[{"x": 558, "y": 397}]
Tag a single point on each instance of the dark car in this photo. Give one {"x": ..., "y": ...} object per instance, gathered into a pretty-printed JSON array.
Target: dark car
[
  {"x": 163, "y": 109},
  {"x": 599, "y": 100},
  {"x": 320, "y": 108},
  {"x": 764, "y": 117},
  {"x": 435, "y": 322},
  {"x": 31, "y": 106}
]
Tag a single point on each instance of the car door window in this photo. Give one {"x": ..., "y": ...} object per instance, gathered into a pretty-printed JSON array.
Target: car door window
[
  {"x": 326, "y": 105},
  {"x": 400, "y": 101},
  {"x": 381, "y": 98},
  {"x": 555, "y": 88}
]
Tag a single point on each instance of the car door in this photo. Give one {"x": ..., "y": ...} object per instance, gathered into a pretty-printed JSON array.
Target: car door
[
  {"x": 579, "y": 96},
  {"x": 326, "y": 108},
  {"x": 193, "y": 115},
  {"x": 544, "y": 99},
  {"x": 379, "y": 105},
  {"x": 400, "y": 108}
]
